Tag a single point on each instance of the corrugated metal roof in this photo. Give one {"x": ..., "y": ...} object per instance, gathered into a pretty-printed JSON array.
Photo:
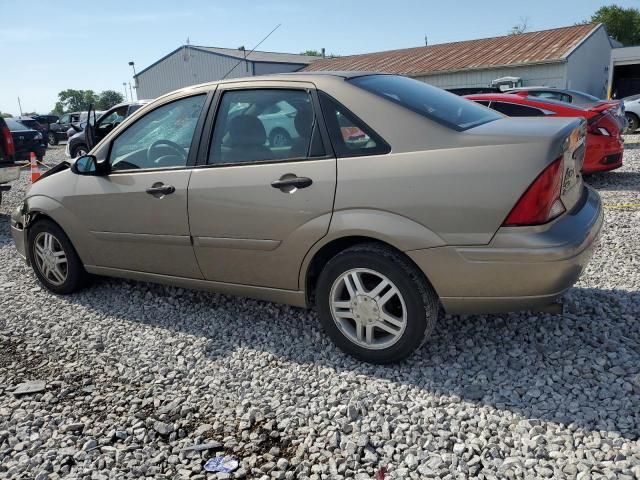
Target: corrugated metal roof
[
  {"x": 256, "y": 56},
  {"x": 532, "y": 47}
]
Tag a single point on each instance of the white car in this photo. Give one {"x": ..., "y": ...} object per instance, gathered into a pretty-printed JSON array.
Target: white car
[{"x": 632, "y": 112}]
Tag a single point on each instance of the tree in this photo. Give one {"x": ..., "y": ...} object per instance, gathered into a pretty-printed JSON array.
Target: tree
[
  {"x": 5, "y": 115},
  {"x": 311, "y": 53},
  {"x": 520, "y": 27},
  {"x": 71, "y": 100},
  {"x": 108, "y": 99},
  {"x": 623, "y": 24}
]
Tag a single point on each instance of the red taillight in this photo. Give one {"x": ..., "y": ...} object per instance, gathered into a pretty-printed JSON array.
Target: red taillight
[
  {"x": 8, "y": 141},
  {"x": 541, "y": 202}
]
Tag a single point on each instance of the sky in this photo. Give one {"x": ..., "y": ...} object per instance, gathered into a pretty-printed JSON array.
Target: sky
[{"x": 48, "y": 46}]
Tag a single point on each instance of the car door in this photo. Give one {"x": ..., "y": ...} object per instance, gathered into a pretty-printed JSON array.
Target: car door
[
  {"x": 257, "y": 207},
  {"x": 136, "y": 216}
]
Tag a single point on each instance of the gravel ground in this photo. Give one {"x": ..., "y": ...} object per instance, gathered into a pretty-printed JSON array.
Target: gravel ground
[{"x": 131, "y": 376}]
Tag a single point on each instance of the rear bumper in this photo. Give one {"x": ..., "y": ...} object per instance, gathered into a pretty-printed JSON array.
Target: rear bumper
[
  {"x": 9, "y": 174},
  {"x": 603, "y": 155},
  {"x": 18, "y": 232},
  {"x": 522, "y": 268}
]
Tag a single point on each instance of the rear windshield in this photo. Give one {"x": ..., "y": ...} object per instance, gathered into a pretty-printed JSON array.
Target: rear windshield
[
  {"x": 14, "y": 126},
  {"x": 443, "y": 107},
  {"x": 29, "y": 123}
]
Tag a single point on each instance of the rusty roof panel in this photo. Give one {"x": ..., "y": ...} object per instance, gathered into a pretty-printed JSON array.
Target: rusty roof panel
[{"x": 532, "y": 47}]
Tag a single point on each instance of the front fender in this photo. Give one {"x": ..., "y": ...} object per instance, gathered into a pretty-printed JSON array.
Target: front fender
[{"x": 37, "y": 205}]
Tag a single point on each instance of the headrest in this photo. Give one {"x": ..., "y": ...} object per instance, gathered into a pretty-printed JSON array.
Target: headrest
[
  {"x": 303, "y": 122},
  {"x": 246, "y": 130}
]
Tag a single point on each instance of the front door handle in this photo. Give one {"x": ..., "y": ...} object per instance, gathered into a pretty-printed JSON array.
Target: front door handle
[
  {"x": 288, "y": 182},
  {"x": 160, "y": 189}
]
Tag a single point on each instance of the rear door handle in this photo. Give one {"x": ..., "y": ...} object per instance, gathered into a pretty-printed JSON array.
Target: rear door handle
[
  {"x": 159, "y": 189},
  {"x": 297, "y": 182}
]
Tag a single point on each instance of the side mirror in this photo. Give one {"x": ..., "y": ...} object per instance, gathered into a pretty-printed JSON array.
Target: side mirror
[{"x": 89, "y": 165}]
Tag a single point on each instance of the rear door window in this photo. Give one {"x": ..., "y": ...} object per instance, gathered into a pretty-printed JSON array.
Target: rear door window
[
  {"x": 515, "y": 110},
  {"x": 265, "y": 125}
]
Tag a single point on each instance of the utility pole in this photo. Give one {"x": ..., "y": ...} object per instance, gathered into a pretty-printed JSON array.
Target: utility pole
[
  {"x": 131, "y": 91},
  {"x": 20, "y": 106},
  {"x": 135, "y": 79},
  {"x": 124, "y": 84}
]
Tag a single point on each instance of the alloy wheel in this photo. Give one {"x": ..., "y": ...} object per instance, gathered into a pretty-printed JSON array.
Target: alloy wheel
[
  {"x": 368, "y": 308},
  {"x": 50, "y": 258}
]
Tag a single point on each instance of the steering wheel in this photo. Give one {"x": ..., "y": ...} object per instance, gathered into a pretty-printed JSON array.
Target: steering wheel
[{"x": 172, "y": 145}]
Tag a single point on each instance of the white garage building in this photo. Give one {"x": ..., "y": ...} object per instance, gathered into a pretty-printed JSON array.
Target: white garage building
[
  {"x": 191, "y": 64},
  {"x": 576, "y": 57}
]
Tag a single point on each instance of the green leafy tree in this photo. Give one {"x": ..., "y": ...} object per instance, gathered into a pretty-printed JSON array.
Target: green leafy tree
[
  {"x": 5, "y": 115},
  {"x": 623, "y": 24},
  {"x": 311, "y": 53},
  {"x": 71, "y": 100},
  {"x": 108, "y": 99}
]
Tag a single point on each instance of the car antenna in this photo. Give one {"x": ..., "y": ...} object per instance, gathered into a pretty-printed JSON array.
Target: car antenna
[{"x": 252, "y": 50}]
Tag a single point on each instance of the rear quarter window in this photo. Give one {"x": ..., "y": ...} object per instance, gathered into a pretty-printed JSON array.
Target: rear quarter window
[{"x": 431, "y": 102}]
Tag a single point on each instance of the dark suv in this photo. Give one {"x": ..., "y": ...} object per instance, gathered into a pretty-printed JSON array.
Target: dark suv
[
  {"x": 58, "y": 130},
  {"x": 78, "y": 144},
  {"x": 9, "y": 171}
]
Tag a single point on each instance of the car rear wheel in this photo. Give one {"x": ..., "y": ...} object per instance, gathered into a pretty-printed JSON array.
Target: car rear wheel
[
  {"x": 53, "y": 258},
  {"x": 51, "y": 138},
  {"x": 374, "y": 304},
  {"x": 633, "y": 122}
]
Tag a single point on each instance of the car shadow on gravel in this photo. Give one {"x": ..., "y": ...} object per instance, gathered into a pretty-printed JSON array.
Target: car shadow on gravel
[{"x": 581, "y": 368}]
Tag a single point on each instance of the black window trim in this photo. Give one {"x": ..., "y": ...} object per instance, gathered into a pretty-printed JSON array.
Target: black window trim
[
  {"x": 195, "y": 141},
  {"x": 381, "y": 142},
  {"x": 207, "y": 132}
]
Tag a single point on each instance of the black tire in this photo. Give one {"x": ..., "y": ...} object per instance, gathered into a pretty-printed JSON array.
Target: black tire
[
  {"x": 279, "y": 137},
  {"x": 52, "y": 139},
  {"x": 78, "y": 148},
  {"x": 633, "y": 122},
  {"x": 76, "y": 278},
  {"x": 419, "y": 297}
]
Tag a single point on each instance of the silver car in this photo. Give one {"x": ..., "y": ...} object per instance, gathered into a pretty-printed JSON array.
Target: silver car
[{"x": 395, "y": 199}]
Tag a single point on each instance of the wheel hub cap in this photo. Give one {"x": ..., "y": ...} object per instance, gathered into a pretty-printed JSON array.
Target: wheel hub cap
[
  {"x": 50, "y": 258},
  {"x": 368, "y": 308}
]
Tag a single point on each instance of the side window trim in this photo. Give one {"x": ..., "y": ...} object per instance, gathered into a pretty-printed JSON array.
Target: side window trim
[
  {"x": 195, "y": 141},
  {"x": 207, "y": 131}
]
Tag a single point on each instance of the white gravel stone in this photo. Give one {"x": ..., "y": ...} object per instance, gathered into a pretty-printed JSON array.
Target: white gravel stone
[{"x": 147, "y": 381}]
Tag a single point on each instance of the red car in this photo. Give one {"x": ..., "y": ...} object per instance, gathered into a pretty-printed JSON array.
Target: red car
[{"x": 604, "y": 141}]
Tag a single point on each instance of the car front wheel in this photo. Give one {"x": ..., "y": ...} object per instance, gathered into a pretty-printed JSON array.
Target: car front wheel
[
  {"x": 79, "y": 151},
  {"x": 53, "y": 258},
  {"x": 375, "y": 304}
]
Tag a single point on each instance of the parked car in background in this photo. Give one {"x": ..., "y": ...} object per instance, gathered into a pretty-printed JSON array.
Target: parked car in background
[
  {"x": 79, "y": 144},
  {"x": 604, "y": 142},
  {"x": 575, "y": 97},
  {"x": 632, "y": 111},
  {"x": 436, "y": 203},
  {"x": 77, "y": 127},
  {"x": 58, "y": 130},
  {"x": 46, "y": 121},
  {"x": 26, "y": 140},
  {"x": 9, "y": 171},
  {"x": 33, "y": 124},
  {"x": 473, "y": 90}
]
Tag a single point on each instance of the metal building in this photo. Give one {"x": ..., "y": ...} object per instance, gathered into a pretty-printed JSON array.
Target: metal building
[
  {"x": 576, "y": 57},
  {"x": 191, "y": 64}
]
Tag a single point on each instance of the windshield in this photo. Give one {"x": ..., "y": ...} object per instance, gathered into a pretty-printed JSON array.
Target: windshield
[
  {"x": 15, "y": 126},
  {"x": 443, "y": 107},
  {"x": 585, "y": 95},
  {"x": 29, "y": 123}
]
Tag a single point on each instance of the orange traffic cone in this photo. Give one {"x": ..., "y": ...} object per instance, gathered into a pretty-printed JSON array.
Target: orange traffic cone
[{"x": 35, "y": 170}]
